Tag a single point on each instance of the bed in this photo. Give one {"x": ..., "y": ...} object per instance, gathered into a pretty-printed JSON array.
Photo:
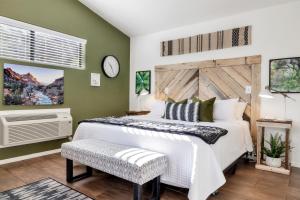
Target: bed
[{"x": 193, "y": 164}]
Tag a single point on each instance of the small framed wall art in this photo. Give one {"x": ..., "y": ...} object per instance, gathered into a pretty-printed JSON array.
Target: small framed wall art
[
  {"x": 143, "y": 81},
  {"x": 284, "y": 75}
]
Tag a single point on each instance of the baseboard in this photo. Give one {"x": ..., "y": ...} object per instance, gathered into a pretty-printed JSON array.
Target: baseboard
[
  {"x": 294, "y": 164},
  {"x": 26, "y": 157}
]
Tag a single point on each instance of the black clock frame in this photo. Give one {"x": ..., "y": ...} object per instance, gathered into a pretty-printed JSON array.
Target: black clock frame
[{"x": 102, "y": 66}]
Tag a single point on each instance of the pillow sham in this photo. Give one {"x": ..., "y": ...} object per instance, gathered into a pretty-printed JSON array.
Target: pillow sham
[
  {"x": 182, "y": 111},
  {"x": 225, "y": 109},
  {"x": 206, "y": 109},
  {"x": 173, "y": 101},
  {"x": 240, "y": 109},
  {"x": 157, "y": 108}
]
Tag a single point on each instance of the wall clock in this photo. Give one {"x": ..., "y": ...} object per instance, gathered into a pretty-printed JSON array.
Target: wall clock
[{"x": 111, "y": 66}]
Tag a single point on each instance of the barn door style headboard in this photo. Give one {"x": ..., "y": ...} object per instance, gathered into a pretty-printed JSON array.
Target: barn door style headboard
[{"x": 224, "y": 79}]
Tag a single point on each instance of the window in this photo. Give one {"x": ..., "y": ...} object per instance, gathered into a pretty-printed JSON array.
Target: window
[{"x": 25, "y": 42}]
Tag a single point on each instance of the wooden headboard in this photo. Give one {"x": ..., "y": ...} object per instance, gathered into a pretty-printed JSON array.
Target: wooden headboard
[{"x": 224, "y": 78}]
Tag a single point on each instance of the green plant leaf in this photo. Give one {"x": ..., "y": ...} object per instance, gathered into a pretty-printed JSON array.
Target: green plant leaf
[{"x": 276, "y": 146}]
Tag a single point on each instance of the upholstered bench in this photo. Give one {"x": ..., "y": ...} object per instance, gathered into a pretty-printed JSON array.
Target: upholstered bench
[{"x": 136, "y": 165}]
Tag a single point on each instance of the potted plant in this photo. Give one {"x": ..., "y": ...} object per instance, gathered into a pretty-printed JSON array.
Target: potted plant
[{"x": 274, "y": 152}]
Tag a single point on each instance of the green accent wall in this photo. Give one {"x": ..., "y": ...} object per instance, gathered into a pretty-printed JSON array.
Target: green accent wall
[{"x": 73, "y": 18}]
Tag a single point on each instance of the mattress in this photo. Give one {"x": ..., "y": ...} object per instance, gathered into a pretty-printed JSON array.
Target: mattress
[{"x": 193, "y": 163}]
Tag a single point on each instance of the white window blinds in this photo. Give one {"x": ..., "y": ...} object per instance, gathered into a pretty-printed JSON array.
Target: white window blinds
[
  {"x": 25, "y": 42},
  {"x": 14, "y": 43}
]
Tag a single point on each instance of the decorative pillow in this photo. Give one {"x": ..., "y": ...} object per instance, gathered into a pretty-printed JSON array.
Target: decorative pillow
[
  {"x": 240, "y": 109},
  {"x": 206, "y": 109},
  {"x": 169, "y": 99},
  {"x": 182, "y": 111},
  {"x": 157, "y": 108},
  {"x": 225, "y": 109},
  {"x": 173, "y": 101}
]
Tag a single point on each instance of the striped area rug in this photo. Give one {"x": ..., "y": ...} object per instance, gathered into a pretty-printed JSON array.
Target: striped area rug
[{"x": 43, "y": 190}]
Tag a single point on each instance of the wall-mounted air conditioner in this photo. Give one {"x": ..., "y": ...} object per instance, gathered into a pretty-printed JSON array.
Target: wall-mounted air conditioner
[{"x": 19, "y": 127}]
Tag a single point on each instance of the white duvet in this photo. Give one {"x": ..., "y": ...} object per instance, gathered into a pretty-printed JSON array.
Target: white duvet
[{"x": 193, "y": 164}]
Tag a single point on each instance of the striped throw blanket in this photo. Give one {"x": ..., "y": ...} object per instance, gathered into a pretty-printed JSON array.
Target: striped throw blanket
[{"x": 208, "y": 134}]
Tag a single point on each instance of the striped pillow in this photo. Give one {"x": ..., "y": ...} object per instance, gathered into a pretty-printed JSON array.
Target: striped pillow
[{"x": 182, "y": 111}]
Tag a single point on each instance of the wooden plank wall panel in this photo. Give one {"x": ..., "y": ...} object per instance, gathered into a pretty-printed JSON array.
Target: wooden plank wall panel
[
  {"x": 244, "y": 71},
  {"x": 219, "y": 82},
  {"x": 236, "y": 76},
  {"x": 224, "y": 78},
  {"x": 255, "y": 100},
  {"x": 181, "y": 84},
  {"x": 208, "y": 89}
]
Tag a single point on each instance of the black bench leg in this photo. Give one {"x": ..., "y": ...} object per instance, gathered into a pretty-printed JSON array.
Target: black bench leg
[
  {"x": 89, "y": 171},
  {"x": 137, "y": 191},
  {"x": 156, "y": 189},
  {"x": 69, "y": 171},
  {"x": 70, "y": 176}
]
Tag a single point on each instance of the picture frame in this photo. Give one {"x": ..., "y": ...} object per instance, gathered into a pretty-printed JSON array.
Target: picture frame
[
  {"x": 30, "y": 85},
  {"x": 143, "y": 81},
  {"x": 284, "y": 75}
]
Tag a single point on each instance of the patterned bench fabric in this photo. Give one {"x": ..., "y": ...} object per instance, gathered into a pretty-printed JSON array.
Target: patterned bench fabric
[{"x": 132, "y": 164}]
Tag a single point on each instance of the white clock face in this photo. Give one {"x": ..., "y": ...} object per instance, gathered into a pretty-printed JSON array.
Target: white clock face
[{"x": 111, "y": 66}]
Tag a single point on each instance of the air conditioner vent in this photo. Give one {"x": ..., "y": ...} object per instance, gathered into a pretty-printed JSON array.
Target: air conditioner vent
[
  {"x": 29, "y": 132},
  {"x": 20, "y": 127},
  {"x": 29, "y": 117}
]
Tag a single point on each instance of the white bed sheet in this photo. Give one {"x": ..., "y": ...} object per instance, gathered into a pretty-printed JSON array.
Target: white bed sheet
[{"x": 193, "y": 164}]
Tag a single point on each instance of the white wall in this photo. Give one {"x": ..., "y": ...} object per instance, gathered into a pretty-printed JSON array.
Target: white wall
[{"x": 276, "y": 34}]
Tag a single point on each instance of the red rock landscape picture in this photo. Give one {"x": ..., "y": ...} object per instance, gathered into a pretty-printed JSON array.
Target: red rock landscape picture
[{"x": 24, "y": 85}]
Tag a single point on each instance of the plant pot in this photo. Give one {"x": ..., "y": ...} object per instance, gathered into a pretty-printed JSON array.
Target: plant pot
[{"x": 273, "y": 162}]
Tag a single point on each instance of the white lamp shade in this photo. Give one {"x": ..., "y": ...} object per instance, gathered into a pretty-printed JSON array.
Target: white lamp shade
[
  {"x": 143, "y": 92},
  {"x": 266, "y": 94}
]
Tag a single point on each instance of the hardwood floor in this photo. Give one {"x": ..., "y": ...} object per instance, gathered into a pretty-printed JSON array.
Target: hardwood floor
[{"x": 247, "y": 184}]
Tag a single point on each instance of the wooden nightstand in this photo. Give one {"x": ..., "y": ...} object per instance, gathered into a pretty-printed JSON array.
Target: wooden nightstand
[
  {"x": 272, "y": 123},
  {"x": 142, "y": 112}
]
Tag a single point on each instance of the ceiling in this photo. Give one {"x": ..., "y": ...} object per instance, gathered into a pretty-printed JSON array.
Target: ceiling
[{"x": 138, "y": 17}]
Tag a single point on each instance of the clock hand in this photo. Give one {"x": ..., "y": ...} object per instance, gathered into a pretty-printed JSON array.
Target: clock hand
[{"x": 111, "y": 68}]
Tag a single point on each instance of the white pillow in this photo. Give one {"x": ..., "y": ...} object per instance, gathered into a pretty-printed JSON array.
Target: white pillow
[
  {"x": 157, "y": 108},
  {"x": 240, "y": 109},
  {"x": 225, "y": 109}
]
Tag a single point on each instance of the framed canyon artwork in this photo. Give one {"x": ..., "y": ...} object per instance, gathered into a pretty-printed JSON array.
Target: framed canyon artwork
[{"x": 27, "y": 85}]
